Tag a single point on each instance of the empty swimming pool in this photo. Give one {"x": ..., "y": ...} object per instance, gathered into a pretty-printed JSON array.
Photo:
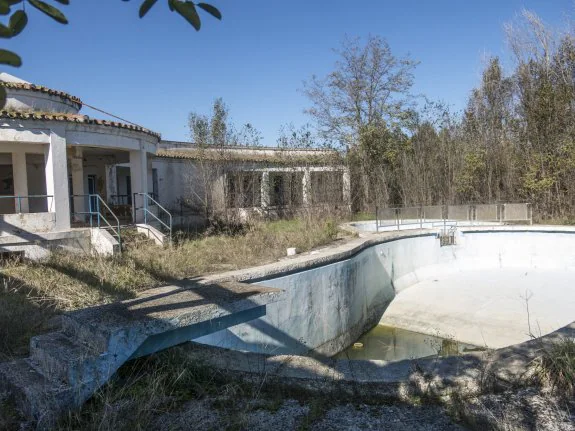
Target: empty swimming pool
[{"x": 494, "y": 287}]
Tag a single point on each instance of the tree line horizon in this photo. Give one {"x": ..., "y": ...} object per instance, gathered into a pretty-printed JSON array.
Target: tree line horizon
[{"x": 514, "y": 141}]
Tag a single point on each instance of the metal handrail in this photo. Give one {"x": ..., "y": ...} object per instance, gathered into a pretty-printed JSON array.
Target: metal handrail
[
  {"x": 146, "y": 197},
  {"x": 99, "y": 214},
  {"x": 18, "y": 198},
  {"x": 470, "y": 210}
]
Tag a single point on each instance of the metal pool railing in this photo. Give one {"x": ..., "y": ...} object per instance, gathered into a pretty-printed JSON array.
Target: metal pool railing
[{"x": 452, "y": 215}]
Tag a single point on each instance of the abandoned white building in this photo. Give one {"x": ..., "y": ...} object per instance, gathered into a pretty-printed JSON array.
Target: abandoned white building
[{"x": 68, "y": 180}]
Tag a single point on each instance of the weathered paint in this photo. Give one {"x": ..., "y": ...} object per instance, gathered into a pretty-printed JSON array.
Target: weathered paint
[{"x": 327, "y": 307}]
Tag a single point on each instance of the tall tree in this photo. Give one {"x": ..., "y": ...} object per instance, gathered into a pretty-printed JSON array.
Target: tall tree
[
  {"x": 488, "y": 122},
  {"x": 362, "y": 106},
  {"x": 369, "y": 86}
]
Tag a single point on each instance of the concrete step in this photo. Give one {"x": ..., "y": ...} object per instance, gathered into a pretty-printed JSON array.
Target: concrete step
[
  {"x": 67, "y": 366},
  {"x": 99, "y": 335},
  {"x": 58, "y": 356},
  {"x": 38, "y": 397},
  {"x": 85, "y": 334}
]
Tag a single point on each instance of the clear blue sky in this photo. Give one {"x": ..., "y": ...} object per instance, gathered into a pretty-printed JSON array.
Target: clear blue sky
[{"x": 156, "y": 70}]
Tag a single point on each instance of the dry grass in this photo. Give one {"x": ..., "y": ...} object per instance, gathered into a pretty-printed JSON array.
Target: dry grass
[
  {"x": 31, "y": 293},
  {"x": 144, "y": 389}
]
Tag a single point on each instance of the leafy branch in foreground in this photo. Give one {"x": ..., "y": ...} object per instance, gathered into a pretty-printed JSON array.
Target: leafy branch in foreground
[{"x": 18, "y": 20}]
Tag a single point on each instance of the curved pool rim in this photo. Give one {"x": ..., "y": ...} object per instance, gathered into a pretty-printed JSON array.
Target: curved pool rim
[{"x": 316, "y": 371}]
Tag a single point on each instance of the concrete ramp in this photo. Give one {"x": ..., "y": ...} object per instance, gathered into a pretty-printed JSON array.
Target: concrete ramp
[{"x": 66, "y": 367}]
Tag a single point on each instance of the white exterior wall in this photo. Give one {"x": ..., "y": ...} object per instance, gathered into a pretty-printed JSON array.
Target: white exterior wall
[
  {"x": 26, "y": 100},
  {"x": 178, "y": 179}
]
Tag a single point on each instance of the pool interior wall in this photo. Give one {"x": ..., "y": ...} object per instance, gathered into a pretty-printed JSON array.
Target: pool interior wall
[{"x": 328, "y": 307}]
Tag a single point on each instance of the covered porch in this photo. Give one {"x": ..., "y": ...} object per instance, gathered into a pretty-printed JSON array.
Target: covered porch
[{"x": 41, "y": 191}]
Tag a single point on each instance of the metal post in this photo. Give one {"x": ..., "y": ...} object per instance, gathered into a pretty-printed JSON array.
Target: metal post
[
  {"x": 421, "y": 217},
  {"x": 90, "y": 210},
  {"x": 98, "y": 209},
  {"x": 376, "y": 220},
  {"x": 134, "y": 208}
]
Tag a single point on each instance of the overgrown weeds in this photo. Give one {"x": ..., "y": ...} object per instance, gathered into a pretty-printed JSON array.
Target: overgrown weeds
[
  {"x": 32, "y": 293},
  {"x": 144, "y": 389},
  {"x": 556, "y": 366}
]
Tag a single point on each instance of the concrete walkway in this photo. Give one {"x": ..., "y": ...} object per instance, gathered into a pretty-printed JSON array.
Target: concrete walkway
[{"x": 66, "y": 367}]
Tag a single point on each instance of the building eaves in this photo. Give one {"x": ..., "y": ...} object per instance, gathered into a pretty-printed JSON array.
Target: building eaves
[
  {"x": 73, "y": 118},
  {"x": 279, "y": 158},
  {"x": 41, "y": 89}
]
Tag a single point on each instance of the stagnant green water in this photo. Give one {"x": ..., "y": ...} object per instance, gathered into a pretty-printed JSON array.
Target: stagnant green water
[{"x": 393, "y": 344}]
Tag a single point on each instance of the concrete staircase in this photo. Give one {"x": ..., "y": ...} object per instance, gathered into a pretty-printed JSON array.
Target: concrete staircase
[{"x": 66, "y": 367}]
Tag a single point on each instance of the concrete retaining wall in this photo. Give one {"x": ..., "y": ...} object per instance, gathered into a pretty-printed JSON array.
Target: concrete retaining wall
[
  {"x": 37, "y": 246},
  {"x": 11, "y": 224},
  {"x": 329, "y": 306},
  {"x": 326, "y": 309}
]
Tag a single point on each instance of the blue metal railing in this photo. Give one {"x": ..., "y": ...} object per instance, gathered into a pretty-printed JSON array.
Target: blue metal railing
[
  {"x": 147, "y": 202},
  {"x": 95, "y": 213},
  {"x": 19, "y": 198}
]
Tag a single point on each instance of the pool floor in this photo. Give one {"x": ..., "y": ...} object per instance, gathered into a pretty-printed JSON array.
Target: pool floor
[
  {"x": 393, "y": 344},
  {"x": 492, "y": 308}
]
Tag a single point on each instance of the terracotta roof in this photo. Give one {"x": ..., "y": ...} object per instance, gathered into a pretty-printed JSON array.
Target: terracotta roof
[
  {"x": 34, "y": 87},
  {"x": 166, "y": 144},
  {"x": 72, "y": 118},
  {"x": 282, "y": 157}
]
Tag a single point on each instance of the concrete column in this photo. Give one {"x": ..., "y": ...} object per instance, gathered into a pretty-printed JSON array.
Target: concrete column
[
  {"x": 57, "y": 180},
  {"x": 306, "y": 186},
  {"x": 347, "y": 188},
  {"x": 139, "y": 179},
  {"x": 265, "y": 190},
  {"x": 20, "y": 181},
  {"x": 111, "y": 182},
  {"x": 80, "y": 202}
]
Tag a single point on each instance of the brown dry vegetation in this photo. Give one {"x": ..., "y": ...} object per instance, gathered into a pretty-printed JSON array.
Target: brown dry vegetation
[{"x": 31, "y": 293}]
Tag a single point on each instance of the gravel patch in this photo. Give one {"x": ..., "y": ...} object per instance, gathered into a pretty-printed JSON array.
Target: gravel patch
[
  {"x": 525, "y": 409},
  {"x": 293, "y": 415},
  {"x": 394, "y": 417}
]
